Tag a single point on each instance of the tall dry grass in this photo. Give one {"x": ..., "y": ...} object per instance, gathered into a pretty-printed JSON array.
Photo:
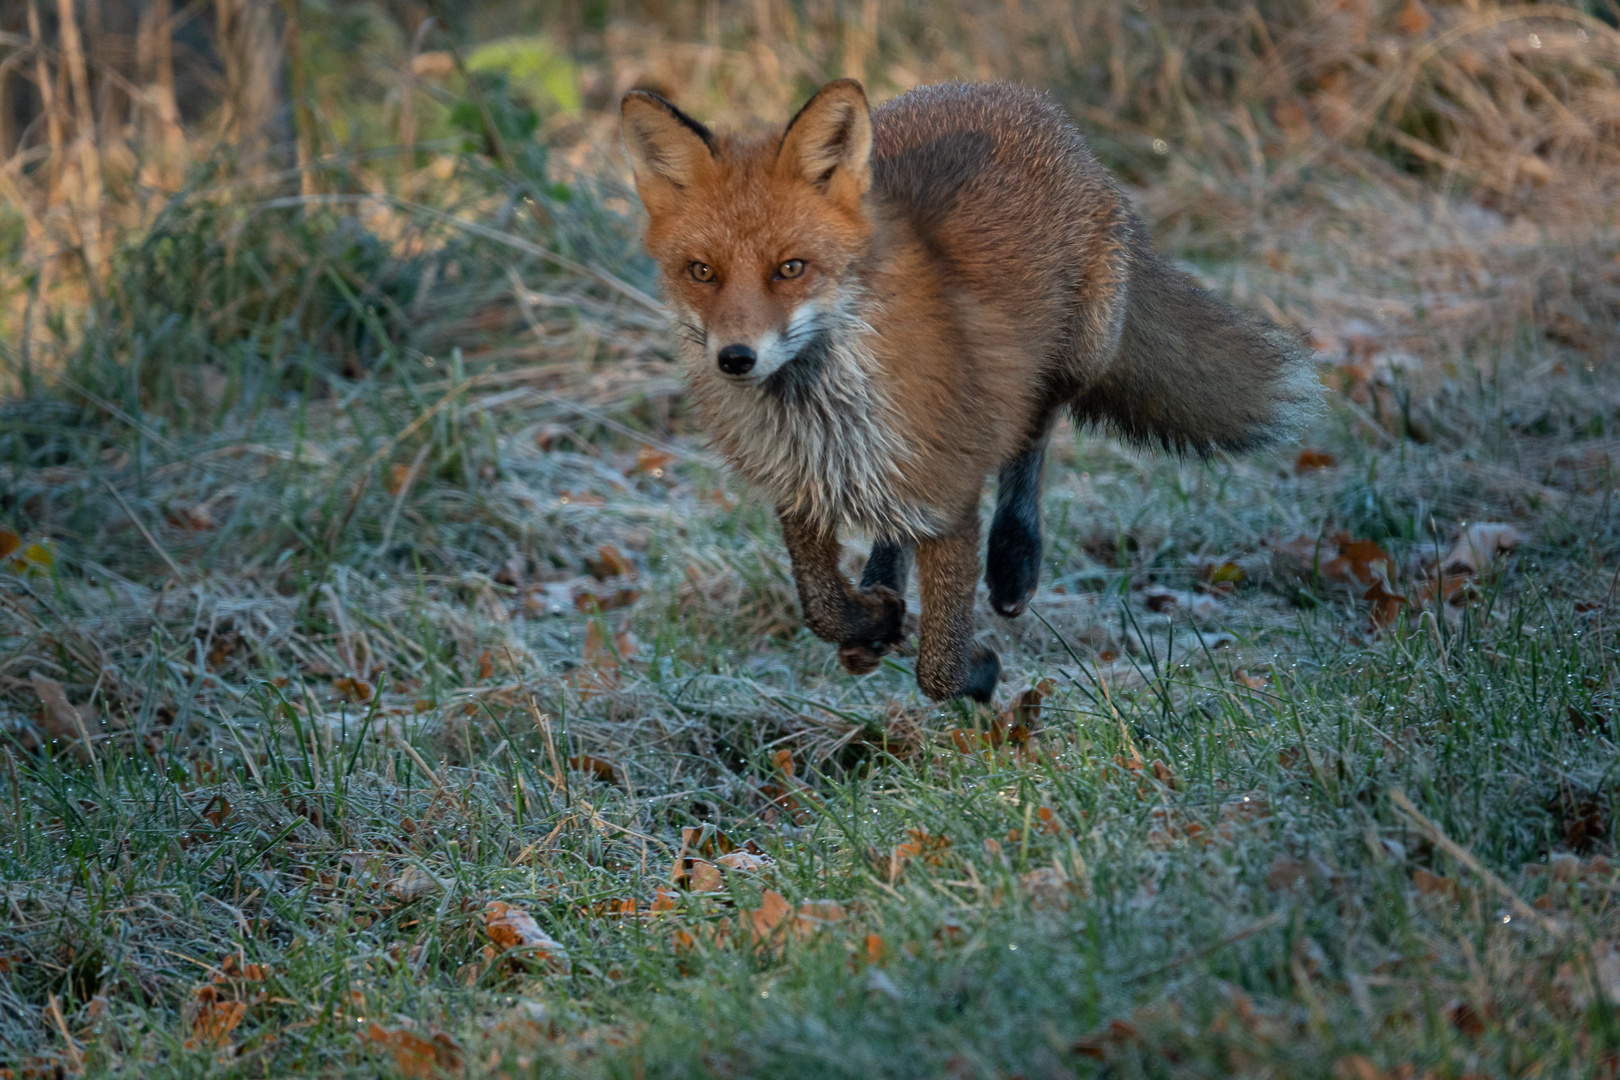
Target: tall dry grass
[{"x": 1468, "y": 151}]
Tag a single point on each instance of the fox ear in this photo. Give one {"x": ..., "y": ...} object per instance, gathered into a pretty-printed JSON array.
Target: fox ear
[
  {"x": 829, "y": 143},
  {"x": 668, "y": 150}
]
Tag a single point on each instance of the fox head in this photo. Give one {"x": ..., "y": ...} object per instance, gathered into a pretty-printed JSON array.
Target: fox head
[{"x": 756, "y": 237}]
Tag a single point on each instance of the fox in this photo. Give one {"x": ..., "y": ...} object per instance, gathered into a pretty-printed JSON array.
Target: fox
[{"x": 877, "y": 309}]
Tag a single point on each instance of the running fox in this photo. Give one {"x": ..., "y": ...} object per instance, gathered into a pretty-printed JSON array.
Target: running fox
[{"x": 880, "y": 308}]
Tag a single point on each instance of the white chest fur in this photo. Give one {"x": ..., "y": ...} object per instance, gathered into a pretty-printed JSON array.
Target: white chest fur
[{"x": 821, "y": 438}]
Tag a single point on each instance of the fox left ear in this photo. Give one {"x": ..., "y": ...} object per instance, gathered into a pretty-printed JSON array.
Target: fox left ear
[{"x": 829, "y": 143}]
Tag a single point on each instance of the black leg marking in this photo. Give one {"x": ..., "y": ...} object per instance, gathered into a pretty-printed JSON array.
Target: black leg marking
[
  {"x": 889, "y": 564},
  {"x": 1013, "y": 566},
  {"x": 982, "y": 676}
]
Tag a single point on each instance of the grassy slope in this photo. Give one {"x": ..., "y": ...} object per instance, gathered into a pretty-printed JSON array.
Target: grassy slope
[{"x": 1198, "y": 867}]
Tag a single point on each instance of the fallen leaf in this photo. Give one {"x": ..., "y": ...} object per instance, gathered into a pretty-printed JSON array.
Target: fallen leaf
[
  {"x": 212, "y": 1018},
  {"x": 652, "y": 462},
  {"x": 1359, "y": 560},
  {"x": 601, "y": 768},
  {"x": 1412, "y": 20},
  {"x": 1431, "y": 884},
  {"x": 33, "y": 557},
  {"x": 1358, "y": 1067},
  {"x": 610, "y": 563},
  {"x": 706, "y": 840},
  {"x": 1258, "y": 681},
  {"x": 512, "y": 927},
  {"x": 1385, "y": 606},
  {"x": 9, "y": 542},
  {"x": 1478, "y": 546},
  {"x": 413, "y": 883},
  {"x": 1200, "y": 606},
  {"x": 357, "y": 691},
  {"x": 763, "y": 920},
  {"x": 60, "y": 720},
  {"x": 1287, "y": 872},
  {"x": 1338, "y": 559},
  {"x": 414, "y": 1056},
  {"x": 397, "y": 475},
  {"x": 703, "y": 876},
  {"x": 1310, "y": 460},
  {"x": 1465, "y": 1018},
  {"x": 1227, "y": 574},
  {"x": 486, "y": 665},
  {"x": 813, "y": 916},
  {"x": 930, "y": 849},
  {"x": 1046, "y": 887},
  {"x": 743, "y": 860}
]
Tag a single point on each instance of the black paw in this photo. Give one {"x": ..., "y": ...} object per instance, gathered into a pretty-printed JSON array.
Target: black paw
[
  {"x": 879, "y": 624},
  {"x": 1012, "y": 567},
  {"x": 984, "y": 672}
]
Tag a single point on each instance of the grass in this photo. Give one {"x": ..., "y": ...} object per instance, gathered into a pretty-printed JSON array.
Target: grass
[
  {"x": 1198, "y": 866},
  {"x": 363, "y": 567}
]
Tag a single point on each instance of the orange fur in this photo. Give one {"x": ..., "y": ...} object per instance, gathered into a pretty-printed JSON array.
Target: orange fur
[{"x": 881, "y": 308}]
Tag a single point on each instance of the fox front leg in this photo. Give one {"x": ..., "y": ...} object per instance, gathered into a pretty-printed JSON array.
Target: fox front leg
[
  {"x": 949, "y": 664},
  {"x": 865, "y": 621}
]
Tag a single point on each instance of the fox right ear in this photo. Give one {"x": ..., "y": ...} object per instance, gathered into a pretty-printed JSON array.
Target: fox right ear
[{"x": 668, "y": 150}]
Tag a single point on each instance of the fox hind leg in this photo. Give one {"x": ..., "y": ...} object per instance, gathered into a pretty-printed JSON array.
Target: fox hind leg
[{"x": 1012, "y": 567}]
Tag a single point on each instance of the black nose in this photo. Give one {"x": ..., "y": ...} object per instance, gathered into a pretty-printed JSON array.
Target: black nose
[{"x": 737, "y": 359}]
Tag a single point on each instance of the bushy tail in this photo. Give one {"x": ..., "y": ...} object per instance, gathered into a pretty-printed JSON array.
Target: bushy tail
[{"x": 1193, "y": 374}]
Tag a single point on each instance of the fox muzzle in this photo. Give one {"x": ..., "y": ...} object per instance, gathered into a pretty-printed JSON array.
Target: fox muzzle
[{"x": 737, "y": 359}]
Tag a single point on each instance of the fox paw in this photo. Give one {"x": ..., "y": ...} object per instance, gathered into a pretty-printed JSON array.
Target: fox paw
[
  {"x": 1013, "y": 568},
  {"x": 879, "y": 624}
]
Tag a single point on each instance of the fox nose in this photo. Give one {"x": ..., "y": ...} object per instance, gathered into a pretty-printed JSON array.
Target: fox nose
[{"x": 737, "y": 359}]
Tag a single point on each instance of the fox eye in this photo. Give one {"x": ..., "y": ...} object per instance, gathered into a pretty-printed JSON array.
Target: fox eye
[
  {"x": 701, "y": 271},
  {"x": 790, "y": 269}
]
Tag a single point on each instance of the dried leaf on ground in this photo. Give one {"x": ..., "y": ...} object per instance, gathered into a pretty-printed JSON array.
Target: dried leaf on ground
[
  {"x": 512, "y": 927},
  {"x": 601, "y": 768},
  {"x": 1338, "y": 559},
  {"x": 930, "y": 850},
  {"x": 1413, "y": 20},
  {"x": 1310, "y": 460},
  {"x": 772, "y": 919},
  {"x": 743, "y": 860},
  {"x": 415, "y": 1056},
  {"x": 60, "y": 720},
  {"x": 1384, "y": 605},
  {"x": 413, "y": 883},
  {"x": 212, "y": 1018},
  {"x": 1478, "y": 546},
  {"x": 1047, "y": 888},
  {"x": 357, "y": 691},
  {"x": 652, "y": 462},
  {"x": 610, "y": 562},
  {"x": 1166, "y": 601}
]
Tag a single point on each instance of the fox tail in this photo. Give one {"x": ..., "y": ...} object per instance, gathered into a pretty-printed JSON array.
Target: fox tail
[{"x": 1193, "y": 374}]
